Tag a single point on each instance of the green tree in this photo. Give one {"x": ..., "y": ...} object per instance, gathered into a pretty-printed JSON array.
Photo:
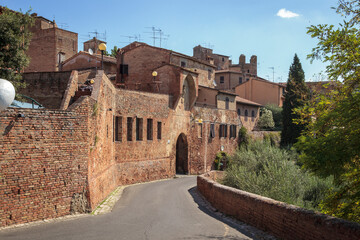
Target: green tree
[
  {"x": 266, "y": 120},
  {"x": 330, "y": 146},
  {"x": 295, "y": 97},
  {"x": 277, "y": 114},
  {"x": 15, "y": 38},
  {"x": 114, "y": 51}
]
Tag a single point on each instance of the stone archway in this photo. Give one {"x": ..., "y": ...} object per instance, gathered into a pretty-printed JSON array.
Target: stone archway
[{"x": 182, "y": 155}]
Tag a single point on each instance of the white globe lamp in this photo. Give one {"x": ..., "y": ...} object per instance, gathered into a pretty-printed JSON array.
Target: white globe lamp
[{"x": 7, "y": 94}]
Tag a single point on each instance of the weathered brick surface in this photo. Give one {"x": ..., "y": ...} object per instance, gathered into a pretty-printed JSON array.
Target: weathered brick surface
[
  {"x": 47, "y": 88},
  {"x": 43, "y": 161},
  {"x": 204, "y": 149},
  {"x": 283, "y": 220},
  {"x": 46, "y": 42}
]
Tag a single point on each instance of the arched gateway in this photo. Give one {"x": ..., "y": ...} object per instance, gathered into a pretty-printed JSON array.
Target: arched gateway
[{"x": 182, "y": 155}]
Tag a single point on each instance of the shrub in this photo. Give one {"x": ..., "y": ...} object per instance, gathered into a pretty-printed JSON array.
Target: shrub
[
  {"x": 277, "y": 115},
  {"x": 273, "y": 138},
  {"x": 266, "y": 119},
  {"x": 221, "y": 160},
  {"x": 244, "y": 137},
  {"x": 270, "y": 171}
]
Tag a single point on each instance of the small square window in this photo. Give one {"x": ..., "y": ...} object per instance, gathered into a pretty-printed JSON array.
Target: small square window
[
  {"x": 222, "y": 79},
  {"x": 183, "y": 64}
]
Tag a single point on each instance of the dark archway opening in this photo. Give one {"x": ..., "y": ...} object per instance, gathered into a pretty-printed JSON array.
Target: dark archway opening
[{"x": 182, "y": 155}]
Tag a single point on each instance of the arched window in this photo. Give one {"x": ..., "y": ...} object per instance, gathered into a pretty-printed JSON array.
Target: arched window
[
  {"x": 253, "y": 115},
  {"x": 227, "y": 103},
  {"x": 239, "y": 111},
  {"x": 246, "y": 115}
]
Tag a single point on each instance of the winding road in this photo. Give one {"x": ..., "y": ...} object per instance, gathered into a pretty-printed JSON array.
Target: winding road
[{"x": 169, "y": 209}]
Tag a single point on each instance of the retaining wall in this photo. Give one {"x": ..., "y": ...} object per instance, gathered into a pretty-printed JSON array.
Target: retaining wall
[{"x": 283, "y": 220}]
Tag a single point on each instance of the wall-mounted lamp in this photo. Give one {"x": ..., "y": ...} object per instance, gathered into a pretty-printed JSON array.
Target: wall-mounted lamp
[{"x": 102, "y": 48}]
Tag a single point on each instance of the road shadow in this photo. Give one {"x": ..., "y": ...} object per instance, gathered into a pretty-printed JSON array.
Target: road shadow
[{"x": 247, "y": 230}]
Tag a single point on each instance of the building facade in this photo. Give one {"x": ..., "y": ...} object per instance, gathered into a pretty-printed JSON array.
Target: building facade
[{"x": 49, "y": 46}]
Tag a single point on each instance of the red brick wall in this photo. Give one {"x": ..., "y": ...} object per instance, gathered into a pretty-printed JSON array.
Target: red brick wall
[
  {"x": 46, "y": 44},
  {"x": 47, "y": 88},
  {"x": 283, "y": 220},
  {"x": 203, "y": 150},
  {"x": 43, "y": 163}
]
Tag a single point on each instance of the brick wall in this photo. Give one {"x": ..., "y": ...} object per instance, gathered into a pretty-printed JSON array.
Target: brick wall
[
  {"x": 283, "y": 220},
  {"x": 47, "y": 88},
  {"x": 204, "y": 148},
  {"x": 46, "y": 42},
  {"x": 43, "y": 163}
]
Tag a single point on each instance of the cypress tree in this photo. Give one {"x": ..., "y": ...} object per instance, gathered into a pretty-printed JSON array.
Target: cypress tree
[{"x": 295, "y": 97}]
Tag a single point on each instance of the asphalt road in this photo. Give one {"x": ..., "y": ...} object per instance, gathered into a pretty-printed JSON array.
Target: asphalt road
[{"x": 170, "y": 209}]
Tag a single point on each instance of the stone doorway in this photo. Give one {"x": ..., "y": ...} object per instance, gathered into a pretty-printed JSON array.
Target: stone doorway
[{"x": 182, "y": 155}]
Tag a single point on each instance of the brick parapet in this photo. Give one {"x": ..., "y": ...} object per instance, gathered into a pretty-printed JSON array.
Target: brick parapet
[{"x": 283, "y": 220}]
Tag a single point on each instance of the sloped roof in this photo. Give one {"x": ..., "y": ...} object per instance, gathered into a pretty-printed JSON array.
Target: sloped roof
[
  {"x": 96, "y": 56},
  {"x": 135, "y": 45},
  {"x": 247, "y": 102}
]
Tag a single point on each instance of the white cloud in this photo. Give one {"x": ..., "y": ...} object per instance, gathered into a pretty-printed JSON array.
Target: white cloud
[{"x": 283, "y": 13}]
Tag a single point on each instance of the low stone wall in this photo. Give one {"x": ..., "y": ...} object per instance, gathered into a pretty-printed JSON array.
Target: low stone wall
[{"x": 283, "y": 220}]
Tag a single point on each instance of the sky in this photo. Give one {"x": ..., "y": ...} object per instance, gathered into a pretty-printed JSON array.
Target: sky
[{"x": 272, "y": 30}]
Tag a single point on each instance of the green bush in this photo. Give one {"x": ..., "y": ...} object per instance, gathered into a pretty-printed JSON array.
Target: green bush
[
  {"x": 266, "y": 120},
  {"x": 221, "y": 160},
  {"x": 269, "y": 171},
  {"x": 273, "y": 138},
  {"x": 277, "y": 115},
  {"x": 244, "y": 137}
]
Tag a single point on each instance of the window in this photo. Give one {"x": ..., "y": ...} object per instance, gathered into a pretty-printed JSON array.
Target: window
[
  {"x": 129, "y": 129},
  {"x": 223, "y": 131},
  {"x": 248, "y": 71},
  {"x": 240, "y": 80},
  {"x": 232, "y": 131},
  {"x": 149, "y": 129},
  {"x": 159, "y": 130},
  {"x": 209, "y": 74},
  {"x": 252, "y": 115},
  {"x": 227, "y": 103},
  {"x": 212, "y": 130},
  {"x": 246, "y": 115},
  {"x": 139, "y": 129},
  {"x": 223, "y": 59},
  {"x": 60, "y": 57},
  {"x": 183, "y": 64},
  {"x": 239, "y": 111},
  {"x": 199, "y": 130},
  {"x": 221, "y": 79},
  {"x": 124, "y": 69},
  {"x": 247, "y": 79},
  {"x": 73, "y": 42},
  {"x": 118, "y": 129}
]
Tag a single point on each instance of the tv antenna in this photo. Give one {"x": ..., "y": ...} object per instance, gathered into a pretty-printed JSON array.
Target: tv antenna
[
  {"x": 98, "y": 35},
  {"x": 208, "y": 45},
  {"x": 136, "y": 37},
  {"x": 273, "y": 70},
  {"x": 157, "y": 33}
]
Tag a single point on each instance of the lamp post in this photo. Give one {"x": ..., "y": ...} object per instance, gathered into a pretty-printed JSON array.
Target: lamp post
[
  {"x": 154, "y": 74},
  {"x": 102, "y": 48},
  {"x": 7, "y": 94}
]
